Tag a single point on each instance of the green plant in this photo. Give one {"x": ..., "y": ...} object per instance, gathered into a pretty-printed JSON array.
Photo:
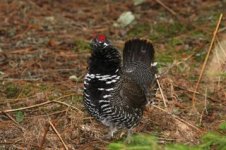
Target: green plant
[
  {"x": 81, "y": 46},
  {"x": 213, "y": 140},
  {"x": 222, "y": 126},
  {"x": 210, "y": 140},
  {"x": 137, "y": 142},
  {"x": 139, "y": 30},
  {"x": 12, "y": 90},
  {"x": 19, "y": 116}
]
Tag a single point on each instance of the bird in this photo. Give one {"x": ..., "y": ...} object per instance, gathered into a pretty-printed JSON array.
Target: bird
[{"x": 116, "y": 90}]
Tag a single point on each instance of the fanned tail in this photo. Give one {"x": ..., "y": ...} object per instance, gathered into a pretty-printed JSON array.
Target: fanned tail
[{"x": 138, "y": 50}]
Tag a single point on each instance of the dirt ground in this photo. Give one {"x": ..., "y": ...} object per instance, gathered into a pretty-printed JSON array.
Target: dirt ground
[{"x": 45, "y": 42}]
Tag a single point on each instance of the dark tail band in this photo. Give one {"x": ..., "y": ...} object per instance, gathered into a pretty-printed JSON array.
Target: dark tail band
[{"x": 138, "y": 50}]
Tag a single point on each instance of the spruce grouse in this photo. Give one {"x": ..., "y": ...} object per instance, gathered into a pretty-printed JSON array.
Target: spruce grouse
[{"x": 116, "y": 93}]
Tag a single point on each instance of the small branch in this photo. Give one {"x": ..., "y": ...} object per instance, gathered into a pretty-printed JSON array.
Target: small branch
[
  {"x": 22, "y": 79},
  {"x": 28, "y": 107},
  {"x": 44, "y": 136},
  {"x": 57, "y": 133},
  {"x": 11, "y": 142},
  {"x": 191, "y": 91},
  {"x": 42, "y": 104},
  {"x": 178, "y": 118},
  {"x": 161, "y": 91},
  {"x": 206, "y": 59},
  {"x": 70, "y": 106},
  {"x": 167, "y": 8},
  {"x": 14, "y": 121}
]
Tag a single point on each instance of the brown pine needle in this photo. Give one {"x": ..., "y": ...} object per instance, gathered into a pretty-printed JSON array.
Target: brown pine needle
[
  {"x": 58, "y": 134},
  {"x": 206, "y": 59}
]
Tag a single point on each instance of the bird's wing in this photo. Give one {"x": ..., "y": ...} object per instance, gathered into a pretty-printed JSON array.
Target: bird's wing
[{"x": 132, "y": 93}]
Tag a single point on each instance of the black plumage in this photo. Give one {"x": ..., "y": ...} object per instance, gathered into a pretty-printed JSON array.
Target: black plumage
[{"x": 116, "y": 93}]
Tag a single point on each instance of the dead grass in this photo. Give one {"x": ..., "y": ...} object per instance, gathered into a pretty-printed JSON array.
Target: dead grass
[{"x": 216, "y": 68}]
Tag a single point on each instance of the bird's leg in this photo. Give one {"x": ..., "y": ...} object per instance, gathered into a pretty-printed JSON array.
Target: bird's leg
[
  {"x": 110, "y": 133},
  {"x": 129, "y": 133},
  {"x": 148, "y": 97}
]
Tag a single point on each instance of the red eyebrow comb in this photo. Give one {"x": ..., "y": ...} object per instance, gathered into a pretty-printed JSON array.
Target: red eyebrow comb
[{"x": 101, "y": 38}]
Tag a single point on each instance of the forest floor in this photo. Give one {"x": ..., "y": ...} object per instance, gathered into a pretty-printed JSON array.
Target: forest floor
[{"x": 45, "y": 42}]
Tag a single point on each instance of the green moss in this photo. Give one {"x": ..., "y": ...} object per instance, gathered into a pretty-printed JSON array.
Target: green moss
[
  {"x": 198, "y": 35},
  {"x": 139, "y": 30},
  {"x": 222, "y": 126},
  {"x": 158, "y": 31},
  {"x": 12, "y": 90},
  {"x": 81, "y": 46},
  {"x": 209, "y": 18},
  {"x": 222, "y": 75},
  {"x": 43, "y": 87},
  {"x": 176, "y": 41},
  {"x": 165, "y": 30},
  {"x": 193, "y": 78},
  {"x": 19, "y": 116},
  {"x": 199, "y": 57},
  {"x": 164, "y": 59},
  {"x": 76, "y": 99},
  {"x": 137, "y": 142},
  {"x": 27, "y": 90}
]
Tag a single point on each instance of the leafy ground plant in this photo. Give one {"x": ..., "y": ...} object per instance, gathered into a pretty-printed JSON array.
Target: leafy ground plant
[{"x": 209, "y": 141}]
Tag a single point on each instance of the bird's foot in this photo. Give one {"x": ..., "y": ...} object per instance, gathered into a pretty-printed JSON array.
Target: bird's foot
[
  {"x": 107, "y": 137},
  {"x": 110, "y": 134},
  {"x": 129, "y": 138}
]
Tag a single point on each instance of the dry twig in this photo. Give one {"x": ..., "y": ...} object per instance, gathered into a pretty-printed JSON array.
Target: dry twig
[
  {"x": 44, "y": 136},
  {"x": 198, "y": 93},
  {"x": 167, "y": 8},
  {"x": 206, "y": 59},
  {"x": 28, "y": 107},
  {"x": 70, "y": 106},
  {"x": 57, "y": 133},
  {"x": 161, "y": 91},
  {"x": 42, "y": 104},
  {"x": 14, "y": 121}
]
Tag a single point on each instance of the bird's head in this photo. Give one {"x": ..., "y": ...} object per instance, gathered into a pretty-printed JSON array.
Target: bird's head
[
  {"x": 105, "y": 58},
  {"x": 100, "y": 42}
]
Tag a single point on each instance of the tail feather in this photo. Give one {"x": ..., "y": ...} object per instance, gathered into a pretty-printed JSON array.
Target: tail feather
[{"x": 138, "y": 50}]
